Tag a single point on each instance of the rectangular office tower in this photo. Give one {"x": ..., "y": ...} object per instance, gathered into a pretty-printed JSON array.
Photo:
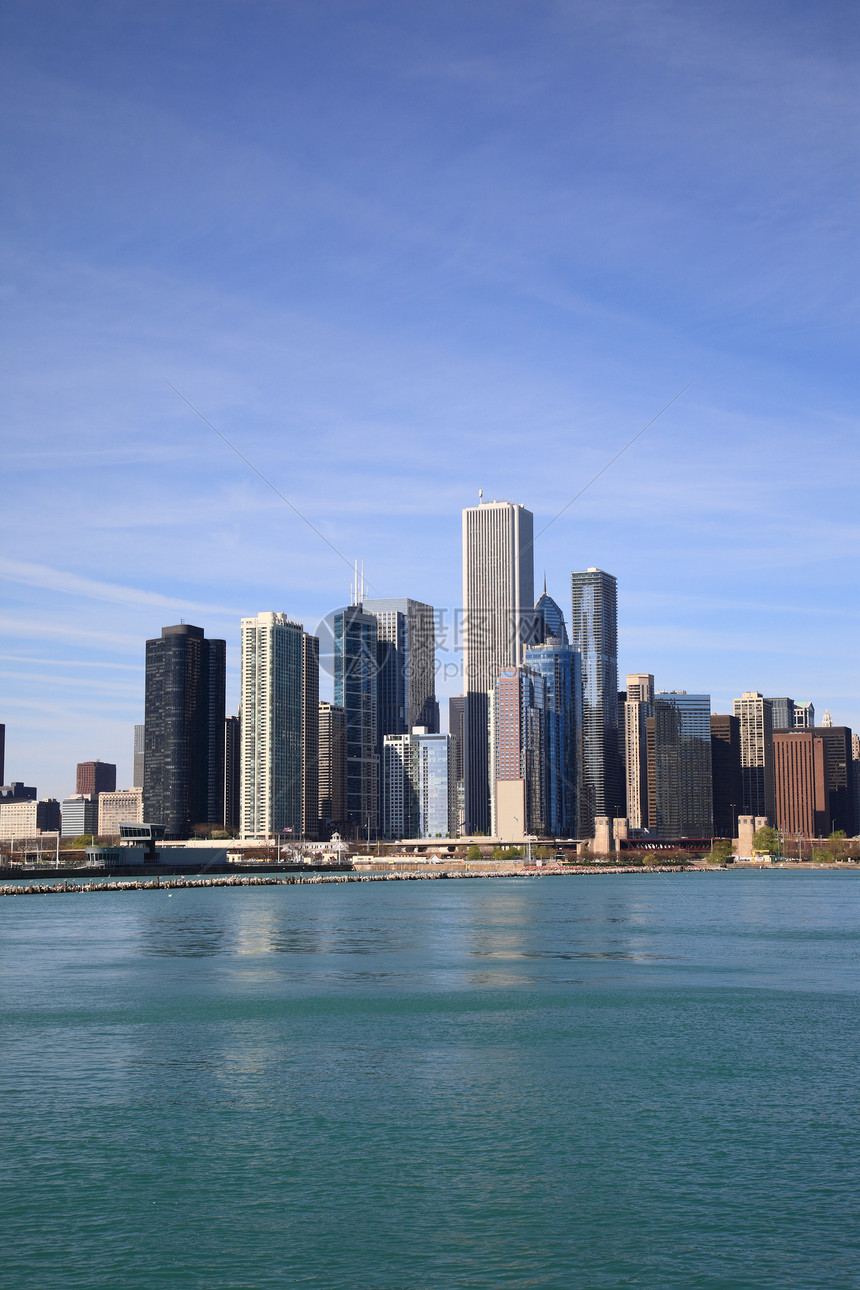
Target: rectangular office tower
[
  {"x": 594, "y": 632},
  {"x": 519, "y": 745},
  {"x": 332, "y": 768},
  {"x": 275, "y": 657},
  {"x": 498, "y": 621},
  {"x": 139, "y": 756},
  {"x": 680, "y": 785},
  {"x": 726, "y": 773},
  {"x": 95, "y": 777},
  {"x": 755, "y": 715},
  {"x": 184, "y": 730},
  {"x": 355, "y": 690},
  {"x": 419, "y": 789},
  {"x": 638, "y": 707},
  {"x": 814, "y": 782},
  {"x": 406, "y": 659}
]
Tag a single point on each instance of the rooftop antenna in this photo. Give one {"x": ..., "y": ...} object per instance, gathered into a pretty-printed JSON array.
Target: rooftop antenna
[
  {"x": 480, "y": 494},
  {"x": 544, "y": 582}
]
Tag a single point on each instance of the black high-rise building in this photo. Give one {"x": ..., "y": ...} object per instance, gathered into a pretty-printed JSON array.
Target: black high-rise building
[
  {"x": 726, "y": 770},
  {"x": 184, "y": 738},
  {"x": 232, "y": 777}
]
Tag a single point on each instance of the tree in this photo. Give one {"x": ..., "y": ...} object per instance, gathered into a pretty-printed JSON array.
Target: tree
[
  {"x": 474, "y": 853},
  {"x": 720, "y": 851},
  {"x": 767, "y": 841},
  {"x": 82, "y": 840}
]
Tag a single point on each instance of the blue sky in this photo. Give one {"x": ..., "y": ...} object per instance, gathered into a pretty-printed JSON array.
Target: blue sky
[{"x": 398, "y": 252}]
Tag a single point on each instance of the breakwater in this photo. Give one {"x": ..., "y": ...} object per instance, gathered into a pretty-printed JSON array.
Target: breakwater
[{"x": 158, "y": 883}]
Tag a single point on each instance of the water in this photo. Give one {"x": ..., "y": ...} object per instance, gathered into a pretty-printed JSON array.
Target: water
[{"x": 570, "y": 1082}]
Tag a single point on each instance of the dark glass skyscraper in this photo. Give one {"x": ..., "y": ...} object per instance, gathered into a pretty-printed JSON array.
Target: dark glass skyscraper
[
  {"x": 550, "y": 620},
  {"x": 184, "y": 737},
  {"x": 680, "y": 786},
  {"x": 594, "y": 632},
  {"x": 355, "y": 690}
]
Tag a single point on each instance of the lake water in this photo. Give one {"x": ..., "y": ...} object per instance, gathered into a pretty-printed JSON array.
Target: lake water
[{"x": 559, "y": 1082}]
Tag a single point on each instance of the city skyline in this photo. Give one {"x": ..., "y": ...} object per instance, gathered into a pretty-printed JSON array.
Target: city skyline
[{"x": 397, "y": 255}]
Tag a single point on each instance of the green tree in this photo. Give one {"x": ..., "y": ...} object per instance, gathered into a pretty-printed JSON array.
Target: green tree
[
  {"x": 767, "y": 841},
  {"x": 822, "y": 855},
  {"x": 474, "y": 853},
  {"x": 720, "y": 851},
  {"x": 82, "y": 840}
]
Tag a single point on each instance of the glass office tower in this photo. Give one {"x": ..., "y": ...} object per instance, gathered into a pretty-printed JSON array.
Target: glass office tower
[
  {"x": 594, "y": 633},
  {"x": 560, "y": 668},
  {"x": 680, "y": 785}
]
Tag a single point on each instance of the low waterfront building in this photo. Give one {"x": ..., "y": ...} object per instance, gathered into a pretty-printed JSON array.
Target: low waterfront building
[{"x": 28, "y": 818}]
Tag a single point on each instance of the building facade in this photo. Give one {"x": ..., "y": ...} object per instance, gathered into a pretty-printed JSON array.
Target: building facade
[
  {"x": 310, "y": 736},
  {"x": 814, "y": 783},
  {"x": 125, "y": 806},
  {"x": 594, "y": 632},
  {"x": 95, "y": 777},
  {"x": 419, "y": 789},
  {"x": 406, "y": 663},
  {"x": 559, "y": 667},
  {"x": 138, "y": 755},
  {"x": 726, "y": 772},
  {"x": 332, "y": 768},
  {"x": 184, "y": 737},
  {"x": 26, "y": 818},
  {"x": 804, "y": 716},
  {"x": 232, "y": 773},
  {"x": 638, "y": 706},
  {"x": 519, "y": 753},
  {"x": 498, "y": 621},
  {"x": 273, "y": 660},
  {"x": 756, "y": 729},
  {"x": 680, "y": 785},
  {"x": 355, "y": 690},
  {"x": 79, "y": 815}
]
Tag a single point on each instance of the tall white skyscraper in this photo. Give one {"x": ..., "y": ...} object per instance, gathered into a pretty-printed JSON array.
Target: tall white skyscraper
[
  {"x": 275, "y": 692},
  {"x": 638, "y": 707},
  {"x": 498, "y": 620}
]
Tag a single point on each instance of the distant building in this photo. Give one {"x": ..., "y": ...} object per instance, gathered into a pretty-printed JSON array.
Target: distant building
[
  {"x": 726, "y": 771},
  {"x": 274, "y": 657},
  {"x": 232, "y": 773},
  {"x": 680, "y": 786},
  {"x": 139, "y": 755},
  {"x": 498, "y": 620},
  {"x": 2, "y": 752},
  {"x": 550, "y": 621},
  {"x": 560, "y": 668},
  {"x": 95, "y": 777},
  {"x": 419, "y": 791},
  {"x": 594, "y": 632},
  {"x": 17, "y": 792},
  {"x": 406, "y": 662},
  {"x": 756, "y": 729},
  {"x": 638, "y": 706},
  {"x": 332, "y": 768},
  {"x": 456, "y": 720},
  {"x": 79, "y": 815},
  {"x": 782, "y": 713},
  {"x": 519, "y": 752},
  {"x": 184, "y": 738},
  {"x": 125, "y": 806},
  {"x": 814, "y": 782},
  {"x": 355, "y": 690},
  {"x": 25, "y": 818},
  {"x": 310, "y": 736},
  {"x": 804, "y": 716}
]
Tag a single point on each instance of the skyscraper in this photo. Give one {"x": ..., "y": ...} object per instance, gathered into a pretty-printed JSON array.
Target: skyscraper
[
  {"x": 804, "y": 716},
  {"x": 273, "y": 658},
  {"x": 310, "y": 735},
  {"x": 418, "y": 799},
  {"x": 638, "y": 706},
  {"x": 139, "y": 756},
  {"x": 560, "y": 668},
  {"x": 406, "y": 661},
  {"x": 184, "y": 735},
  {"x": 594, "y": 632},
  {"x": 519, "y": 751},
  {"x": 232, "y": 772},
  {"x": 332, "y": 768},
  {"x": 756, "y": 726},
  {"x": 355, "y": 690},
  {"x": 95, "y": 777},
  {"x": 814, "y": 782},
  {"x": 550, "y": 620},
  {"x": 782, "y": 713},
  {"x": 498, "y": 620},
  {"x": 2, "y": 753},
  {"x": 680, "y": 785},
  {"x": 726, "y": 773},
  {"x": 456, "y": 723}
]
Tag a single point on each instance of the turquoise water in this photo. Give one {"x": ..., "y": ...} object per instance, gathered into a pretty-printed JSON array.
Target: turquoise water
[{"x": 572, "y": 1082}]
